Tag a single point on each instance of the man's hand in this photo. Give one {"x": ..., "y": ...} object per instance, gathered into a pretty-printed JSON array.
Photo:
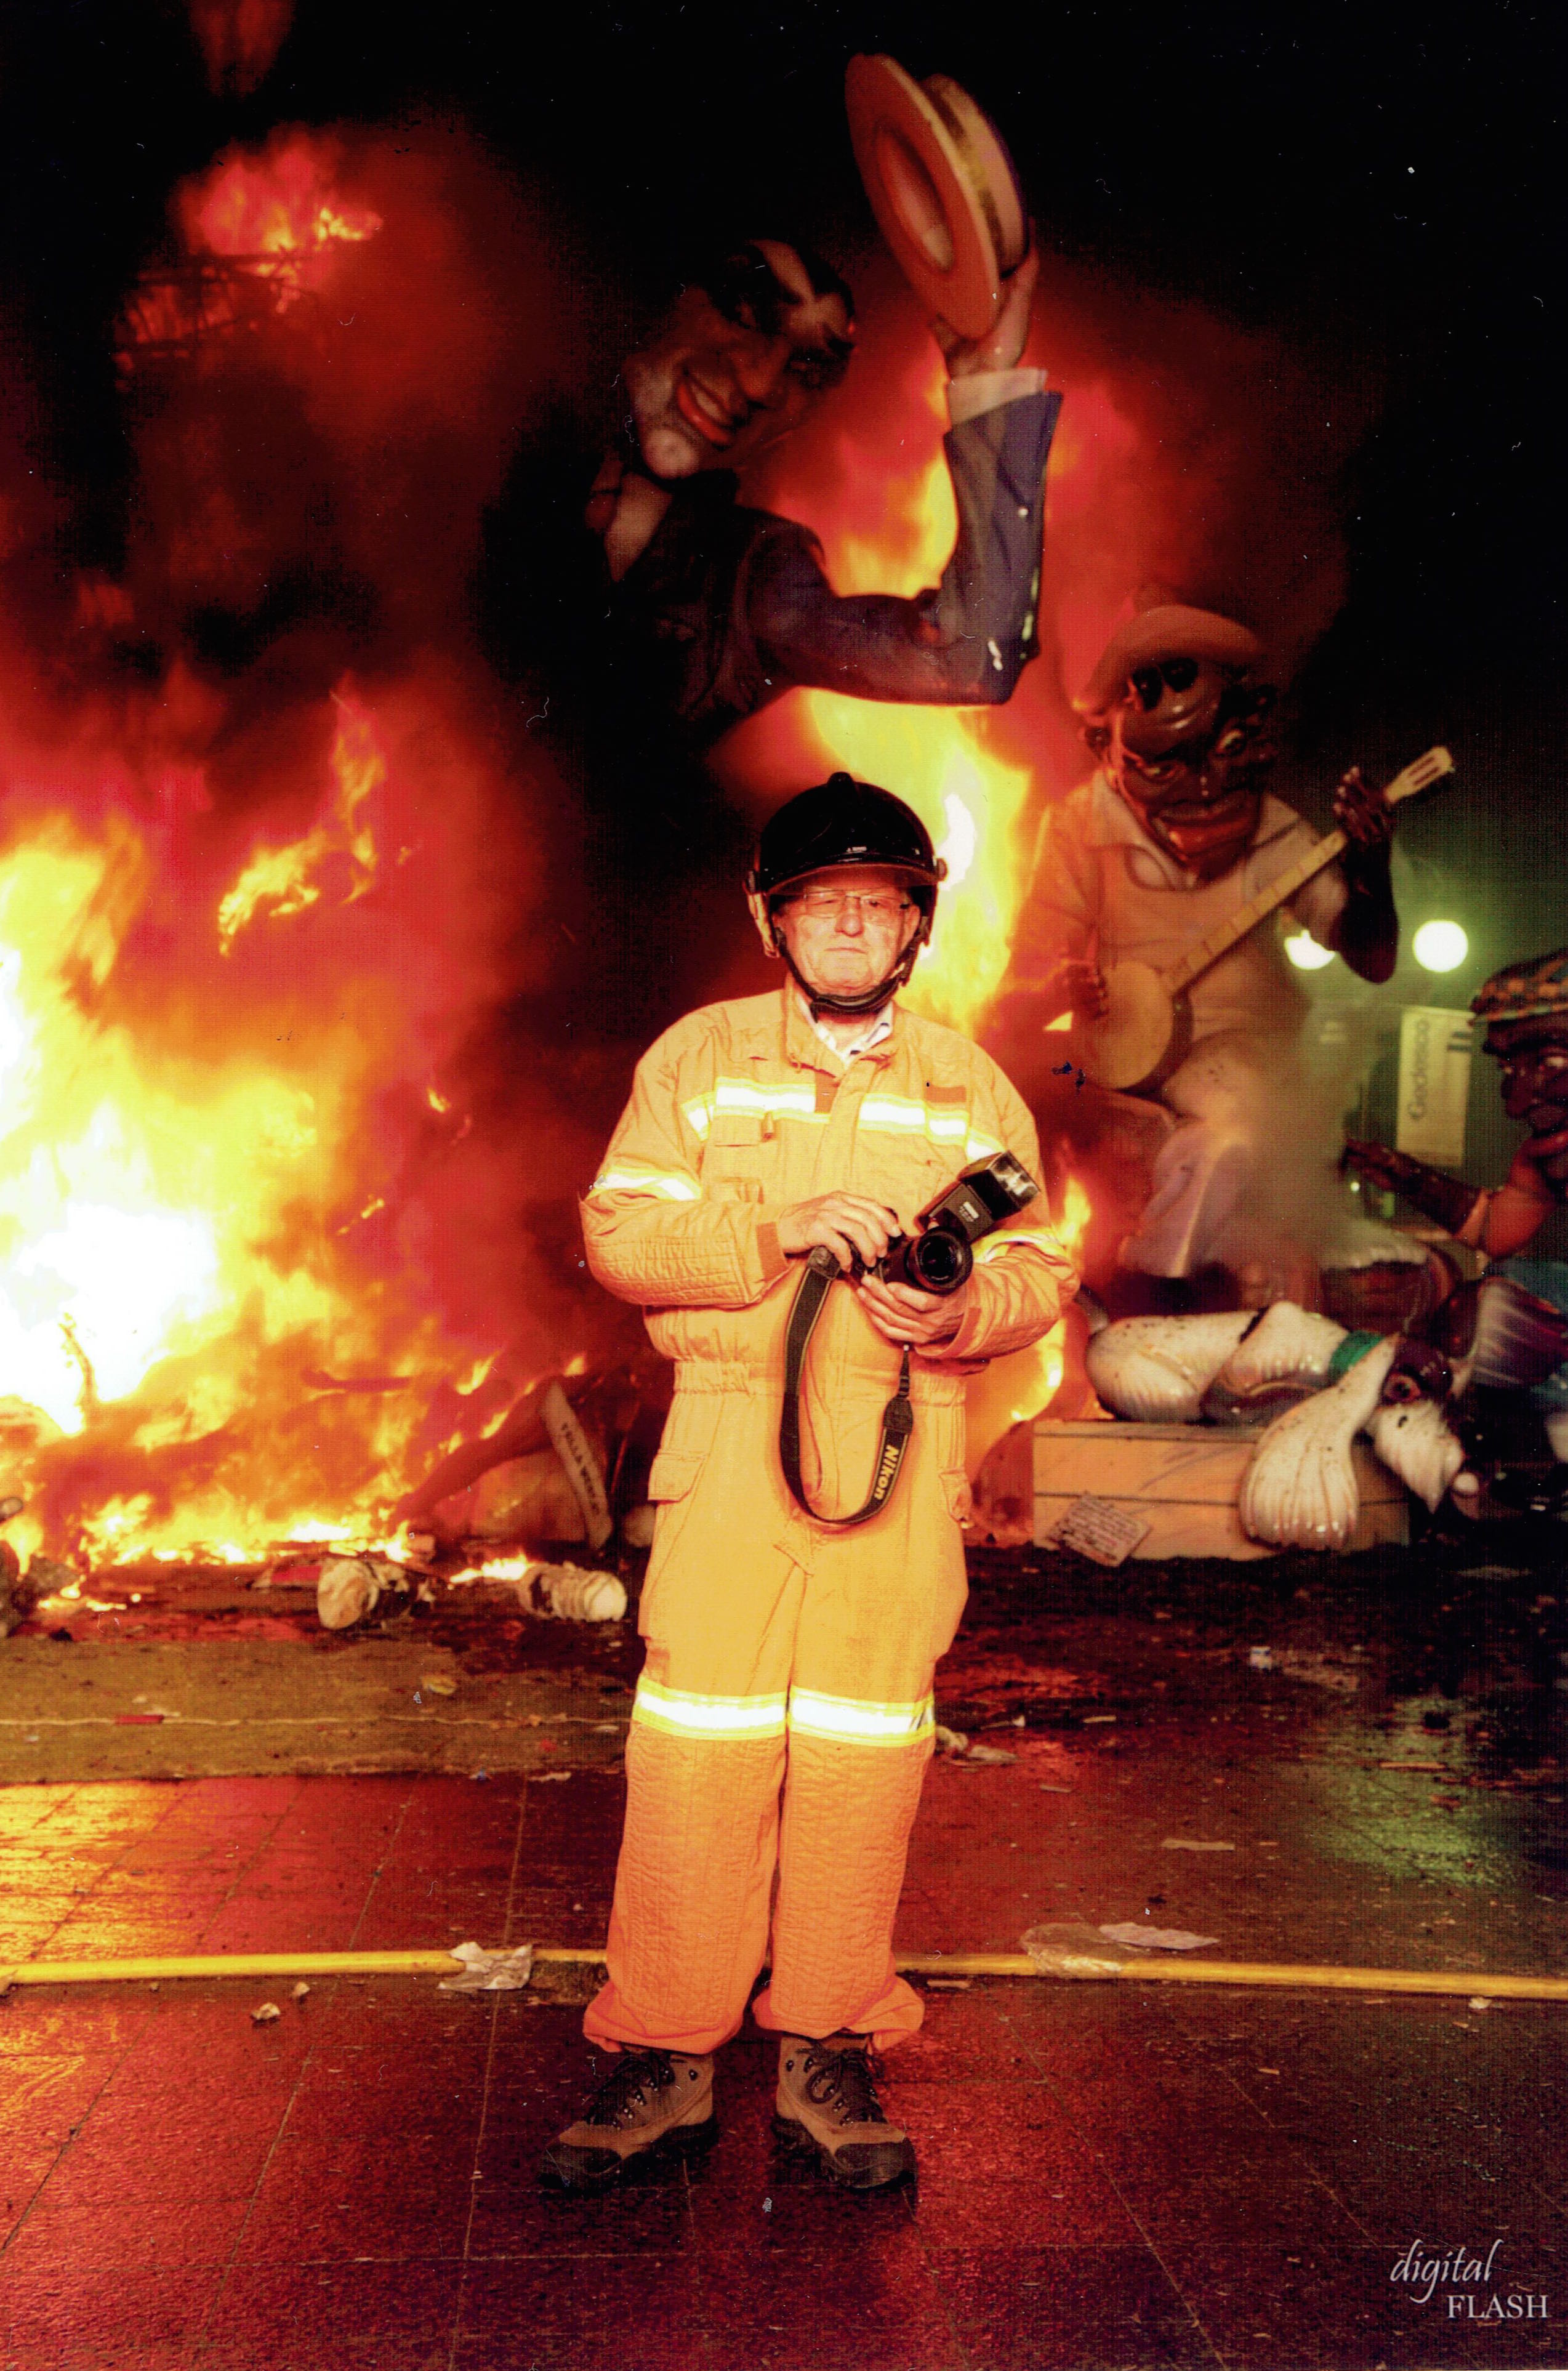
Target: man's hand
[
  {"x": 902, "y": 1314},
  {"x": 1004, "y": 342},
  {"x": 1437, "y": 1196},
  {"x": 850, "y": 1226}
]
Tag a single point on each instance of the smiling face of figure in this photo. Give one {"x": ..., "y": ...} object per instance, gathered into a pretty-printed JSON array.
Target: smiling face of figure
[
  {"x": 844, "y": 929},
  {"x": 737, "y": 363}
]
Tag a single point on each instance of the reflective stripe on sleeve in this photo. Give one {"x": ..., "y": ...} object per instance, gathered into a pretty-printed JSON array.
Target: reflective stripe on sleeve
[
  {"x": 851, "y": 1722},
  {"x": 631, "y": 1177},
  {"x": 721, "y": 1718},
  {"x": 1030, "y": 1238}
]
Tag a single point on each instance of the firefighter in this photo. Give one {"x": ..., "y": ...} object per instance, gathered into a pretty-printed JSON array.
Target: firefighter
[{"x": 783, "y": 1722}]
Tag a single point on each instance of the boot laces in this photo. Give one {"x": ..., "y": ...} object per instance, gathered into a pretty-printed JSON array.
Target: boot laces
[
  {"x": 848, "y": 2078},
  {"x": 628, "y": 2086}
]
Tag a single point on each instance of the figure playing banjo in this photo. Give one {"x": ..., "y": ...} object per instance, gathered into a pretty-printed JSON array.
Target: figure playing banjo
[{"x": 1151, "y": 882}]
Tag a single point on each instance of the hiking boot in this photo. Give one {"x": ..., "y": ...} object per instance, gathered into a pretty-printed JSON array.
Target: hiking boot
[
  {"x": 650, "y": 2100},
  {"x": 827, "y": 2101}
]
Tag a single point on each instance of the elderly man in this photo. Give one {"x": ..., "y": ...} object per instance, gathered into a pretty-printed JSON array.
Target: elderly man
[
  {"x": 1174, "y": 835},
  {"x": 783, "y": 1720},
  {"x": 726, "y": 607}
]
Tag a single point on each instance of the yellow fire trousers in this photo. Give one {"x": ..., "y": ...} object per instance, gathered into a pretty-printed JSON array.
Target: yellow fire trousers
[{"x": 782, "y": 1726}]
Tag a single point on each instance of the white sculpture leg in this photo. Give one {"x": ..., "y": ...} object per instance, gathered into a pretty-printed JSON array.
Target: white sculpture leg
[
  {"x": 1299, "y": 1490},
  {"x": 1155, "y": 1370}
]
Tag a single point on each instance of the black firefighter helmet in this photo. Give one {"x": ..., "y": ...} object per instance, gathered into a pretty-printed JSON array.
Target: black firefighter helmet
[{"x": 843, "y": 822}]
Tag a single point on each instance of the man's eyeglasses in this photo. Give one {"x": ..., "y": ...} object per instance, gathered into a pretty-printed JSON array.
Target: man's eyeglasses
[{"x": 832, "y": 904}]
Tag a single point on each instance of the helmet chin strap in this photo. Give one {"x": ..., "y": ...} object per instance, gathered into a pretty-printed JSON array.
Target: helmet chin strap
[{"x": 868, "y": 1000}]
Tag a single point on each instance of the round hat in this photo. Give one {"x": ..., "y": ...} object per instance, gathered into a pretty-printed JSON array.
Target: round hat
[
  {"x": 1525, "y": 991},
  {"x": 843, "y": 822},
  {"x": 943, "y": 188},
  {"x": 1170, "y": 631}
]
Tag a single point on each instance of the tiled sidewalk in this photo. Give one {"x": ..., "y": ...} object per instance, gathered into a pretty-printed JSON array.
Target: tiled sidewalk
[{"x": 1109, "y": 2177}]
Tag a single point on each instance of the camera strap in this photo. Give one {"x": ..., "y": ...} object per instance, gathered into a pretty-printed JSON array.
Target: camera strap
[{"x": 821, "y": 1272}]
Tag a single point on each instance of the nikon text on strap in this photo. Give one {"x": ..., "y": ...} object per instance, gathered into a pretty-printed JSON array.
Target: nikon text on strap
[{"x": 822, "y": 1273}]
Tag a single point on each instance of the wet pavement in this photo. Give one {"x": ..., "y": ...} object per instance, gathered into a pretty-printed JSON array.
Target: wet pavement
[{"x": 1112, "y": 2173}]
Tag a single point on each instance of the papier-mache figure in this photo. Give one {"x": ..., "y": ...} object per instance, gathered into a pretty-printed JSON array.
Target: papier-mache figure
[
  {"x": 1142, "y": 872},
  {"x": 1524, "y": 1007},
  {"x": 724, "y": 606}
]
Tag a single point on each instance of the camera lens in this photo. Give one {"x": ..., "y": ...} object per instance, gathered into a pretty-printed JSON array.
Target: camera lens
[{"x": 938, "y": 1260}]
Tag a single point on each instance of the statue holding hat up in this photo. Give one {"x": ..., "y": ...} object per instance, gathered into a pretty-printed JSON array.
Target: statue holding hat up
[{"x": 1174, "y": 835}]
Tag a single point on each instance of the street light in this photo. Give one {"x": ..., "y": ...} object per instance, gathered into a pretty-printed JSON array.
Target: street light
[
  {"x": 1439, "y": 946},
  {"x": 1306, "y": 953}
]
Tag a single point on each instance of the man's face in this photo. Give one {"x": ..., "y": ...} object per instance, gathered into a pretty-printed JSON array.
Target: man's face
[
  {"x": 846, "y": 928},
  {"x": 736, "y": 365},
  {"x": 1534, "y": 1059},
  {"x": 1187, "y": 747}
]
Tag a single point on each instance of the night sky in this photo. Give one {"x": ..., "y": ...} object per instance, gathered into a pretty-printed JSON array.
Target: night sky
[{"x": 1376, "y": 187}]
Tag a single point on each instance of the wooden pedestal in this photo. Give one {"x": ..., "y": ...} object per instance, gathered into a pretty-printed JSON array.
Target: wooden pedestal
[{"x": 1182, "y": 1480}]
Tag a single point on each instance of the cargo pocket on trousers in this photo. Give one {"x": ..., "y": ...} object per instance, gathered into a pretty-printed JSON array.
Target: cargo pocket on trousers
[{"x": 690, "y": 1430}]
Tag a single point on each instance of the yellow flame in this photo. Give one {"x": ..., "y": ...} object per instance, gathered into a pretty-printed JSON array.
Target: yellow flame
[
  {"x": 282, "y": 880},
  {"x": 971, "y": 802}
]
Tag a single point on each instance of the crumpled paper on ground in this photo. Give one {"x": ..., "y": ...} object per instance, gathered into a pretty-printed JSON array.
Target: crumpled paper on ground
[
  {"x": 1070, "y": 1947},
  {"x": 490, "y": 1972},
  {"x": 1157, "y": 1939}
]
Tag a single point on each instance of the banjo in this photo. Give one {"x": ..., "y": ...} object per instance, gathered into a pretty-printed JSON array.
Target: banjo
[{"x": 1145, "y": 1033}]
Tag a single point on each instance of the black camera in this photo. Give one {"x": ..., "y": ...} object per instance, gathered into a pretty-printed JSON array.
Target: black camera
[{"x": 939, "y": 1258}]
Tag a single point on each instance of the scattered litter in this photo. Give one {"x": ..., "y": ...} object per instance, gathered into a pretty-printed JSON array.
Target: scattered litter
[
  {"x": 346, "y": 1590},
  {"x": 988, "y": 1754},
  {"x": 268, "y": 2014},
  {"x": 301, "y": 1992},
  {"x": 1157, "y": 1939},
  {"x": 584, "y": 1472},
  {"x": 490, "y": 1972},
  {"x": 1068, "y": 1947},
  {"x": 1098, "y": 1528},
  {"x": 544, "y": 1777},
  {"x": 1259, "y": 1658},
  {"x": 947, "y": 1983},
  {"x": 951, "y": 1740},
  {"x": 439, "y": 1683},
  {"x": 566, "y": 1593},
  {"x": 1421, "y": 1769},
  {"x": 1192, "y": 1844},
  {"x": 1481, "y": 2001},
  {"x": 1098, "y": 1720},
  {"x": 479, "y": 1776},
  {"x": 1046, "y": 1787},
  {"x": 1317, "y": 1669}
]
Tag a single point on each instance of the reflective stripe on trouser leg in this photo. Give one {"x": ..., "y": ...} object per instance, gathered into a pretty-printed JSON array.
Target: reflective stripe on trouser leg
[{"x": 690, "y": 1923}]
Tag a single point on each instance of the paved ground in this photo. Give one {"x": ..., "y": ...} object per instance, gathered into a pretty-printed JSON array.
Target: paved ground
[{"x": 1111, "y": 2174}]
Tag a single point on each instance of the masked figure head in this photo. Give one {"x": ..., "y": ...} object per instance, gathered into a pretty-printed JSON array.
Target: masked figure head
[
  {"x": 1179, "y": 716},
  {"x": 1524, "y": 1007},
  {"x": 757, "y": 334}
]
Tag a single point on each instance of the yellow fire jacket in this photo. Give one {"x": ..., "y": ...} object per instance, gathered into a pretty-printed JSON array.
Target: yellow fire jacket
[{"x": 737, "y": 1112}]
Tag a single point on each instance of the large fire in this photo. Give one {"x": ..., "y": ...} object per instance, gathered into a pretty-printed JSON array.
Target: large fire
[{"x": 268, "y": 1254}]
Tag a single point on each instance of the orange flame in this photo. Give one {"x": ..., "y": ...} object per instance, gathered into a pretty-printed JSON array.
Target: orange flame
[
  {"x": 279, "y": 210},
  {"x": 285, "y": 880}
]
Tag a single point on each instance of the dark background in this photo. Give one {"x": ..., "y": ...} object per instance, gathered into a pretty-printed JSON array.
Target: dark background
[{"x": 1377, "y": 184}]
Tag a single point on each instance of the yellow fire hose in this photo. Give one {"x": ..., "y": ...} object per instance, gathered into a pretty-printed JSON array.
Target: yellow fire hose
[{"x": 1141, "y": 1968}]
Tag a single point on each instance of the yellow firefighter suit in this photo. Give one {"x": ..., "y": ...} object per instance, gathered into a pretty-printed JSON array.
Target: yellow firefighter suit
[{"x": 783, "y": 1720}]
